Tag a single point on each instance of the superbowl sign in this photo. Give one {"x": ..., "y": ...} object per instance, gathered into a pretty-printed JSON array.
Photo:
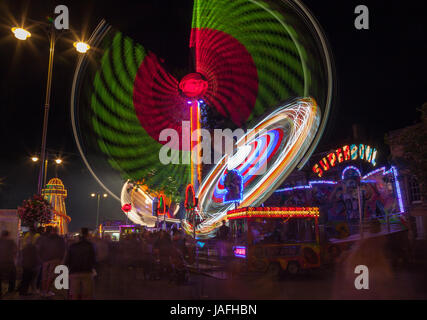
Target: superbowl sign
[{"x": 346, "y": 153}]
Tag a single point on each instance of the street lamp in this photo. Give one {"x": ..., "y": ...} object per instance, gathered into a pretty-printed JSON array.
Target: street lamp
[
  {"x": 98, "y": 196},
  {"x": 22, "y": 34},
  {"x": 44, "y": 164},
  {"x": 81, "y": 47}
]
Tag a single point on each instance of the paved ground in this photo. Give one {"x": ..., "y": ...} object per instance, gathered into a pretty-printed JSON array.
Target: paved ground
[{"x": 406, "y": 283}]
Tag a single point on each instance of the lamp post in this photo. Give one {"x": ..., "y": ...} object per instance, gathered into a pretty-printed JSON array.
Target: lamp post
[
  {"x": 22, "y": 34},
  {"x": 56, "y": 159},
  {"x": 98, "y": 196}
]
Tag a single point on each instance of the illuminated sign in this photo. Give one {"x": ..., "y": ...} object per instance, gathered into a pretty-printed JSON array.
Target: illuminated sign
[
  {"x": 273, "y": 212},
  {"x": 346, "y": 153},
  {"x": 239, "y": 252}
]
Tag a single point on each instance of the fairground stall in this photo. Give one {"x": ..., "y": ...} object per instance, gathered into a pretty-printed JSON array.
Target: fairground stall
[
  {"x": 355, "y": 197},
  {"x": 9, "y": 221},
  {"x": 275, "y": 239},
  {"x": 115, "y": 229},
  {"x": 111, "y": 229}
]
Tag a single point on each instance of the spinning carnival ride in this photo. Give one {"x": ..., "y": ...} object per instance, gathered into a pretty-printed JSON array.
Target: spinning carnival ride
[
  {"x": 265, "y": 155},
  {"x": 249, "y": 60}
]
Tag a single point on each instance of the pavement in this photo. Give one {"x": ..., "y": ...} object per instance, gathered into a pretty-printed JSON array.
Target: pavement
[
  {"x": 409, "y": 282},
  {"x": 209, "y": 279}
]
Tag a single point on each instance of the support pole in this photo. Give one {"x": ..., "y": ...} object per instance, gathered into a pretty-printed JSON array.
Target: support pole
[
  {"x": 46, "y": 108},
  {"x": 97, "y": 210},
  {"x": 195, "y": 145},
  {"x": 45, "y": 172},
  {"x": 360, "y": 212}
]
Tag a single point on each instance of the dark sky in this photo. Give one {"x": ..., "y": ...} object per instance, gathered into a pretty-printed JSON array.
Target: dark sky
[{"x": 381, "y": 77}]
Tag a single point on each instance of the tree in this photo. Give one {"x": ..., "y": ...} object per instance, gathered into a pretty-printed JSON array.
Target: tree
[
  {"x": 413, "y": 142},
  {"x": 36, "y": 210}
]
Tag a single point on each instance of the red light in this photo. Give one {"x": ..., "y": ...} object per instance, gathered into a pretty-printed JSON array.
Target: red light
[
  {"x": 161, "y": 206},
  {"x": 193, "y": 85},
  {"x": 190, "y": 192},
  {"x": 127, "y": 207}
]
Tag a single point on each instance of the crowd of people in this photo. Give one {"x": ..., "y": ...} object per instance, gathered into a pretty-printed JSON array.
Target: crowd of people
[{"x": 151, "y": 254}]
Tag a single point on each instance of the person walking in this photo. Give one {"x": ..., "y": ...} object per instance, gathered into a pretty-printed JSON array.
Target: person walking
[
  {"x": 29, "y": 261},
  {"x": 222, "y": 236},
  {"x": 147, "y": 255},
  {"x": 81, "y": 262},
  {"x": 8, "y": 250},
  {"x": 54, "y": 247},
  {"x": 163, "y": 249},
  {"x": 40, "y": 239}
]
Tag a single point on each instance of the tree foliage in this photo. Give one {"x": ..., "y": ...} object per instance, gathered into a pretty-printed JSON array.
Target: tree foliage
[
  {"x": 35, "y": 210},
  {"x": 413, "y": 141}
]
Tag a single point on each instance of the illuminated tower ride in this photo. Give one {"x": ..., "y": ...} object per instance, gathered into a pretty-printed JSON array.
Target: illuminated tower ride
[
  {"x": 193, "y": 87},
  {"x": 55, "y": 193}
]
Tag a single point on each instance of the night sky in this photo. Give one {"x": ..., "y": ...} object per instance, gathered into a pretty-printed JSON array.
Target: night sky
[{"x": 381, "y": 77}]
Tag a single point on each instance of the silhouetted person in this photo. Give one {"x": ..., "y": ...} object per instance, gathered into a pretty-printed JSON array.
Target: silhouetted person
[
  {"x": 53, "y": 248},
  {"x": 42, "y": 234},
  {"x": 163, "y": 248},
  {"x": 81, "y": 261},
  {"x": 222, "y": 236},
  {"x": 43, "y": 255},
  {"x": 8, "y": 252},
  {"x": 102, "y": 247},
  {"x": 179, "y": 241},
  {"x": 223, "y": 232},
  {"x": 30, "y": 261},
  {"x": 179, "y": 273},
  {"x": 147, "y": 254}
]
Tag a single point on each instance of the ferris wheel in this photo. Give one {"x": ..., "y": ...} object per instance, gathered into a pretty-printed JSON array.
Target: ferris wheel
[{"x": 250, "y": 61}]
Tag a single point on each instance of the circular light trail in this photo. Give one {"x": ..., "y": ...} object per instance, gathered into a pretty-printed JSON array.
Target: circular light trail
[
  {"x": 277, "y": 144},
  {"x": 137, "y": 205},
  {"x": 253, "y": 54}
]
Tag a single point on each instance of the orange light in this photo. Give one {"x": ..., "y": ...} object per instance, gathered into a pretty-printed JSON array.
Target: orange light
[
  {"x": 21, "y": 33},
  {"x": 81, "y": 47}
]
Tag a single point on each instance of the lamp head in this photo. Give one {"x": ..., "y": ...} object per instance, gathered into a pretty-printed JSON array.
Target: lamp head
[
  {"x": 21, "y": 33},
  {"x": 81, "y": 47}
]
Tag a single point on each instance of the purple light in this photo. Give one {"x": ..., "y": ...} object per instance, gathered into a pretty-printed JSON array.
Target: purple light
[
  {"x": 239, "y": 252},
  {"x": 322, "y": 182},
  {"x": 309, "y": 186},
  {"x": 189, "y": 102},
  {"x": 350, "y": 168},
  {"x": 392, "y": 170},
  {"x": 374, "y": 172},
  {"x": 368, "y": 181},
  {"x": 399, "y": 194}
]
